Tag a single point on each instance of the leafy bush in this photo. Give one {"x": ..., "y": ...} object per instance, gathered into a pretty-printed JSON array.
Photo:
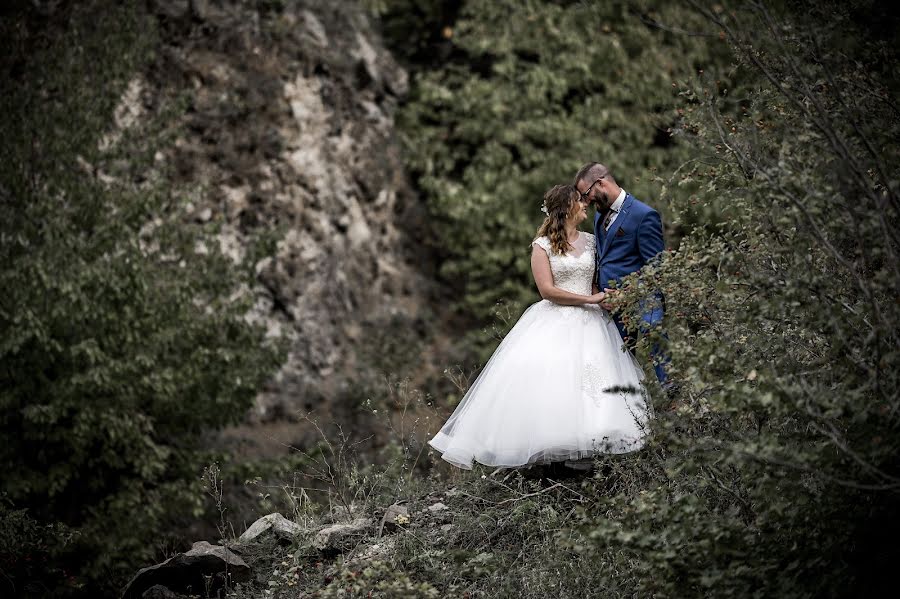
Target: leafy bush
[
  {"x": 121, "y": 344},
  {"x": 528, "y": 93},
  {"x": 26, "y": 552},
  {"x": 777, "y": 465},
  {"x": 774, "y": 470},
  {"x": 377, "y": 579}
]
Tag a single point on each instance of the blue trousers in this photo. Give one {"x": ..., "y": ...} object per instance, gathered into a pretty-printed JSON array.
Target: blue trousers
[{"x": 650, "y": 319}]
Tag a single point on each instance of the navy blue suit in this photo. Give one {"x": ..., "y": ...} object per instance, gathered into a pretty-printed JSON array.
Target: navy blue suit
[{"x": 634, "y": 239}]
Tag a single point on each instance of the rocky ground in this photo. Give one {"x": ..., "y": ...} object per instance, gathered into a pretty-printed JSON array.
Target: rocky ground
[{"x": 442, "y": 535}]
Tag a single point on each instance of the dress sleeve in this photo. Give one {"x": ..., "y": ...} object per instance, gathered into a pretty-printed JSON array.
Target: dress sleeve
[{"x": 544, "y": 243}]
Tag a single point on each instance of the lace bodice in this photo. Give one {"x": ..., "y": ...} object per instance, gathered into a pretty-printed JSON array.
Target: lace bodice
[{"x": 573, "y": 271}]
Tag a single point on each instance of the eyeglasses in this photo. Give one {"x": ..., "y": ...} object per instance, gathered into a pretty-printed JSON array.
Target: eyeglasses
[{"x": 588, "y": 191}]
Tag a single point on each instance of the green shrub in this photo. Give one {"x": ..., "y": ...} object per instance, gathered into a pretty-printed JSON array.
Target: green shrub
[
  {"x": 27, "y": 550},
  {"x": 121, "y": 345},
  {"x": 528, "y": 93},
  {"x": 773, "y": 472},
  {"x": 777, "y": 463}
]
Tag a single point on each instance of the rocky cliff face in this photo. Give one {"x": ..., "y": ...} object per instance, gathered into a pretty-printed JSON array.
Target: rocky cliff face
[{"x": 289, "y": 130}]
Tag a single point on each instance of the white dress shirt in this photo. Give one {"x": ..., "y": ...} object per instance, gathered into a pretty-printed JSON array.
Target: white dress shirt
[{"x": 616, "y": 206}]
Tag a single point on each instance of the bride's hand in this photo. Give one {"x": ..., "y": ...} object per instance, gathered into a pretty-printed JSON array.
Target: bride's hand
[
  {"x": 597, "y": 298},
  {"x": 607, "y": 295}
]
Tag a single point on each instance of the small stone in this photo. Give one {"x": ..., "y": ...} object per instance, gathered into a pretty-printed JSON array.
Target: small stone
[
  {"x": 446, "y": 527},
  {"x": 437, "y": 507},
  {"x": 378, "y": 551},
  {"x": 347, "y": 513},
  {"x": 174, "y": 9},
  {"x": 394, "y": 517}
]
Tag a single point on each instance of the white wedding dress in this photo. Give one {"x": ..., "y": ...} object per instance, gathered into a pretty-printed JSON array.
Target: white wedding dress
[{"x": 559, "y": 386}]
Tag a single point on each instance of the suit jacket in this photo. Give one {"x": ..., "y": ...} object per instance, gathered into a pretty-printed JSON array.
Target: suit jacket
[{"x": 634, "y": 239}]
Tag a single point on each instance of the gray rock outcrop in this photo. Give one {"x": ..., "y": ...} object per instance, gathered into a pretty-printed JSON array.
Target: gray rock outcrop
[
  {"x": 204, "y": 567},
  {"x": 290, "y": 133}
]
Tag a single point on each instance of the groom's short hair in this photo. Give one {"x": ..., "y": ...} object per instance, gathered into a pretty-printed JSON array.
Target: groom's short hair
[{"x": 591, "y": 167}]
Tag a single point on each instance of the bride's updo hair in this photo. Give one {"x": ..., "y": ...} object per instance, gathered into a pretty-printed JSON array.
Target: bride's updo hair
[{"x": 560, "y": 202}]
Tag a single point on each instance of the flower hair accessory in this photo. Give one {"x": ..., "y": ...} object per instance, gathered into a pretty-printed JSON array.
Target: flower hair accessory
[{"x": 544, "y": 209}]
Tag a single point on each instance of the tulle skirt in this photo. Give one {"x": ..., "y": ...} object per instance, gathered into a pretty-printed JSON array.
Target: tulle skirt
[{"x": 560, "y": 386}]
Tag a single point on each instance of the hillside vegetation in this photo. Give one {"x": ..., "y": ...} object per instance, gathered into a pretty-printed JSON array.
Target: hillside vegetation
[{"x": 764, "y": 134}]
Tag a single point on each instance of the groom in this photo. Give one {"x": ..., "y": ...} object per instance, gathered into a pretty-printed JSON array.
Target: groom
[{"x": 629, "y": 235}]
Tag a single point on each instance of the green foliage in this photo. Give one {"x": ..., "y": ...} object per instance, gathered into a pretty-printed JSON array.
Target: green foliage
[
  {"x": 420, "y": 31},
  {"x": 773, "y": 473},
  {"x": 530, "y": 92},
  {"x": 120, "y": 343},
  {"x": 779, "y": 457},
  {"x": 26, "y": 550},
  {"x": 774, "y": 470},
  {"x": 377, "y": 579}
]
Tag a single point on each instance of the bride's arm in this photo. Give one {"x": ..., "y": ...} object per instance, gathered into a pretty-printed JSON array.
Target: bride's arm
[{"x": 543, "y": 276}]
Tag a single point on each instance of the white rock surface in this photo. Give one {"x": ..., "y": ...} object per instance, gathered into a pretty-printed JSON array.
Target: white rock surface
[
  {"x": 275, "y": 524},
  {"x": 290, "y": 133}
]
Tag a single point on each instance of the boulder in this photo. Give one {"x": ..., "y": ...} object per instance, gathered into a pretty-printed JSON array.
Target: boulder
[
  {"x": 188, "y": 572},
  {"x": 341, "y": 537},
  {"x": 158, "y": 591},
  {"x": 273, "y": 524}
]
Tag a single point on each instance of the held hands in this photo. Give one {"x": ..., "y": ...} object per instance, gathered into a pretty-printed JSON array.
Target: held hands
[
  {"x": 608, "y": 294},
  {"x": 603, "y": 299}
]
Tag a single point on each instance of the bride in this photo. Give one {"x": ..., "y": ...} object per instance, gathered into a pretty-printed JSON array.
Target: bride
[{"x": 559, "y": 386}]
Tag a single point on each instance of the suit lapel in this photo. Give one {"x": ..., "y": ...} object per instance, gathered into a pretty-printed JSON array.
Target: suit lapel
[
  {"x": 626, "y": 206},
  {"x": 598, "y": 231}
]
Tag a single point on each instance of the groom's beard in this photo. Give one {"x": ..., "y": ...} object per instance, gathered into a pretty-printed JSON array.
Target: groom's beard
[{"x": 602, "y": 202}]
